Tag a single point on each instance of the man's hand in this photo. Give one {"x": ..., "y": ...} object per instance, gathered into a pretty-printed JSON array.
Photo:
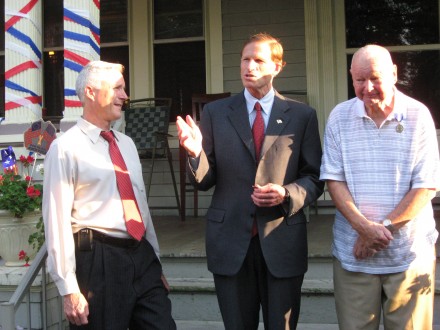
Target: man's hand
[
  {"x": 268, "y": 195},
  {"x": 76, "y": 308},
  {"x": 374, "y": 238},
  {"x": 190, "y": 136},
  {"x": 362, "y": 251}
]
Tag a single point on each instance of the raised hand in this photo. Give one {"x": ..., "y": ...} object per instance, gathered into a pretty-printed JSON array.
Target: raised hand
[{"x": 190, "y": 136}]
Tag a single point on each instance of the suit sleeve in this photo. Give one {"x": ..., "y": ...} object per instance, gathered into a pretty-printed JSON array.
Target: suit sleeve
[
  {"x": 203, "y": 177},
  {"x": 307, "y": 187}
]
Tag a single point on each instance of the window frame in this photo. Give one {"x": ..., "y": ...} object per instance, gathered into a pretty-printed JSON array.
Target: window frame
[
  {"x": 142, "y": 41},
  {"x": 326, "y": 55}
]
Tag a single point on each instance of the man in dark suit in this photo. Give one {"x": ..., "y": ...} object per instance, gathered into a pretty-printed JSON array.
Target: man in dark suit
[{"x": 256, "y": 237}]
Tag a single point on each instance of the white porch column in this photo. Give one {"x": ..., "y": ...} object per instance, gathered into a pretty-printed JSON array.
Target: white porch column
[
  {"x": 81, "y": 45},
  {"x": 23, "y": 51}
]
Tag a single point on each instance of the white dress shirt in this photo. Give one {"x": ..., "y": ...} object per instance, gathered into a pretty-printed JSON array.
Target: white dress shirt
[{"x": 80, "y": 191}]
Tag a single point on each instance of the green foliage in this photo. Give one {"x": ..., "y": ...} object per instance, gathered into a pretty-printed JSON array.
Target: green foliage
[
  {"x": 18, "y": 196},
  {"x": 37, "y": 239}
]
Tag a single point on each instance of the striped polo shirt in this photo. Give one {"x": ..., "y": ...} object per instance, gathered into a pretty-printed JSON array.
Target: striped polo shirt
[{"x": 380, "y": 165}]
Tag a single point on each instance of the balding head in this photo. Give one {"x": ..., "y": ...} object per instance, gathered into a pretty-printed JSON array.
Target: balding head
[
  {"x": 374, "y": 76},
  {"x": 373, "y": 53}
]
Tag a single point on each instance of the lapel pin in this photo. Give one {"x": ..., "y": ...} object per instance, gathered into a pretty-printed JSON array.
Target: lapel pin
[
  {"x": 399, "y": 128},
  {"x": 399, "y": 117},
  {"x": 279, "y": 121}
]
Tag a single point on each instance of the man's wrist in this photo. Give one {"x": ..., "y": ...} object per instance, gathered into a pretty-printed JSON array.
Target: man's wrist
[
  {"x": 388, "y": 224},
  {"x": 196, "y": 152}
]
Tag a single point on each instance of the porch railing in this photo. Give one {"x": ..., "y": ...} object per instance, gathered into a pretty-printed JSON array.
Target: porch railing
[{"x": 9, "y": 309}]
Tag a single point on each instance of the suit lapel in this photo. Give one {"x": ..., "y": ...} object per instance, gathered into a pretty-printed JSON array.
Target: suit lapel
[
  {"x": 277, "y": 122},
  {"x": 240, "y": 121}
]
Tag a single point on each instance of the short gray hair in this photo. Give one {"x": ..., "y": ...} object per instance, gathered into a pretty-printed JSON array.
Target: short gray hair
[{"x": 92, "y": 75}]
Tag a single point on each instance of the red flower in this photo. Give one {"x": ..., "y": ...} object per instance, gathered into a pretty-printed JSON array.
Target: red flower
[
  {"x": 21, "y": 255},
  {"x": 32, "y": 192},
  {"x": 27, "y": 161},
  {"x": 18, "y": 193}
]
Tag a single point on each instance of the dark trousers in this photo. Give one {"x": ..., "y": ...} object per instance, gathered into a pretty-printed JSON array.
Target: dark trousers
[
  {"x": 123, "y": 287},
  {"x": 241, "y": 295}
]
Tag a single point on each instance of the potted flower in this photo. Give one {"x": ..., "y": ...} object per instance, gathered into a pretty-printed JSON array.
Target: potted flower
[
  {"x": 18, "y": 194},
  {"x": 20, "y": 211}
]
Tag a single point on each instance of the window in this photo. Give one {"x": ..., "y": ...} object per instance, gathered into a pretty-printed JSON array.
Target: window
[
  {"x": 178, "y": 19},
  {"x": 180, "y": 72},
  {"x": 113, "y": 22},
  {"x": 410, "y": 29},
  {"x": 179, "y": 52},
  {"x": 53, "y": 94},
  {"x": 114, "y": 35},
  {"x": 53, "y": 23},
  {"x": 53, "y": 59}
]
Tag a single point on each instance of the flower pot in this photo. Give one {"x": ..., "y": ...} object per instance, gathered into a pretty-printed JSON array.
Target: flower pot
[{"x": 14, "y": 235}]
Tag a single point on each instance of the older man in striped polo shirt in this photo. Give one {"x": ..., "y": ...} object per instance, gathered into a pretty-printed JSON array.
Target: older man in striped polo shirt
[{"x": 381, "y": 165}]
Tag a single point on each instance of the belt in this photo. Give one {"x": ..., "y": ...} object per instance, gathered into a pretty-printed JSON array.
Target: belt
[{"x": 115, "y": 241}]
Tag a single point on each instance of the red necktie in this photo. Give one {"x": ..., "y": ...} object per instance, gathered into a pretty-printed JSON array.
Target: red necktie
[
  {"x": 258, "y": 131},
  {"x": 133, "y": 219},
  {"x": 258, "y": 134}
]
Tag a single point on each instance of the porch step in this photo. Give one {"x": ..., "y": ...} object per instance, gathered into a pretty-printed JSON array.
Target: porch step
[
  {"x": 193, "y": 294},
  {"x": 218, "y": 325},
  {"x": 213, "y": 325}
]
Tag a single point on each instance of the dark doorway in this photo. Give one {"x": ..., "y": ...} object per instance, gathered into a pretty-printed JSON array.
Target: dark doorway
[{"x": 179, "y": 71}]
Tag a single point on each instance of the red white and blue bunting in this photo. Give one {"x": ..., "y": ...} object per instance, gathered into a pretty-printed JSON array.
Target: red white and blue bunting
[
  {"x": 23, "y": 42},
  {"x": 81, "y": 43}
]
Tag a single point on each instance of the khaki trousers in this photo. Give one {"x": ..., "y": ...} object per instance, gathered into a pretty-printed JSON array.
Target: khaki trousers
[{"x": 406, "y": 299}]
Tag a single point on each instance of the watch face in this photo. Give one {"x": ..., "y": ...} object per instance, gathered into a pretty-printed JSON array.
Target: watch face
[{"x": 386, "y": 222}]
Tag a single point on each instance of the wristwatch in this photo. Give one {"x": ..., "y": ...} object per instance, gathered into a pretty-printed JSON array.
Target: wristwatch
[{"x": 388, "y": 224}]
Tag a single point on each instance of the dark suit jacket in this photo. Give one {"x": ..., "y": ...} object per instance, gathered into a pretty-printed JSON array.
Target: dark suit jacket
[{"x": 290, "y": 156}]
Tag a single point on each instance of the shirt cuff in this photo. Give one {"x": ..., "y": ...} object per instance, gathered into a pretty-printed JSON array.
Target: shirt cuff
[{"x": 68, "y": 285}]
